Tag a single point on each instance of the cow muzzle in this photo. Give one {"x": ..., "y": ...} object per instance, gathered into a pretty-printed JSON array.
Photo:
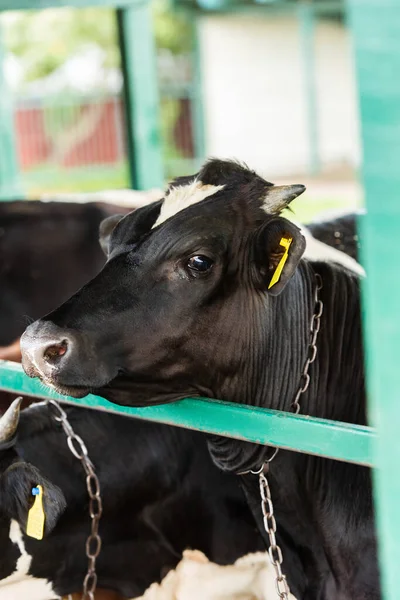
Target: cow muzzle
[{"x": 62, "y": 359}]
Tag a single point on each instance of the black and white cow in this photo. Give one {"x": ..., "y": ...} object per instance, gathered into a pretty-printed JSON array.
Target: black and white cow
[
  {"x": 161, "y": 495},
  {"x": 68, "y": 233},
  {"x": 206, "y": 294},
  {"x": 339, "y": 232}
]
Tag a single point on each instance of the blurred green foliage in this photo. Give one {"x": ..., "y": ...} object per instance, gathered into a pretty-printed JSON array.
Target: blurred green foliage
[{"x": 45, "y": 39}]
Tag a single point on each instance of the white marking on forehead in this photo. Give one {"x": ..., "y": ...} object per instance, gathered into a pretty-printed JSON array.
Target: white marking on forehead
[
  {"x": 182, "y": 196},
  {"x": 20, "y": 585}
]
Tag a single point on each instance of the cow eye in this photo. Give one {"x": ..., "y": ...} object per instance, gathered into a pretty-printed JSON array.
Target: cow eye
[{"x": 200, "y": 263}]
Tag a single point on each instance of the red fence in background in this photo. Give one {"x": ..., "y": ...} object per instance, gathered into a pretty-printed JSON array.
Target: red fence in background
[
  {"x": 89, "y": 132},
  {"x": 70, "y": 135},
  {"x": 33, "y": 147}
]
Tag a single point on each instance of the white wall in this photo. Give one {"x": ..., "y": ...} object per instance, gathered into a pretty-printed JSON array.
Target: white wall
[
  {"x": 255, "y": 94},
  {"x": 338, "y": 117}
]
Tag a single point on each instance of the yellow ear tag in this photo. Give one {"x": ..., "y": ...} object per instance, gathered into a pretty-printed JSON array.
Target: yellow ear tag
[
  {"x": 285, "y": 242},
  {"x": 36, "y": 516}
]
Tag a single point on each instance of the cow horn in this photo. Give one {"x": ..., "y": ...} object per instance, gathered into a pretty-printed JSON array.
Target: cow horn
[
  {"x": 9, "y": 421},
  {"x": 280, "y": 196}
]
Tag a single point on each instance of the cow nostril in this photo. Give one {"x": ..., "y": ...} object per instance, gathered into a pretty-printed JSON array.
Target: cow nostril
[{"x": 55, "y": 351}]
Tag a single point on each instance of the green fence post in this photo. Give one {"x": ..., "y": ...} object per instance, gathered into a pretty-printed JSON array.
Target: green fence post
[
  {"x": 306, "y": 16},
  {"x": 197, "y": 98},
  {"x": 141, "y": 96},
  {"x": 376, "y": 29},
  {"x": 9, "y": 176}
]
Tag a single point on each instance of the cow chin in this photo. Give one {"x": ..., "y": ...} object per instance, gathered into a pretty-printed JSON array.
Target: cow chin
[
  {"x": 131, "y": 391},
  {"x": 75, "y": 391}
]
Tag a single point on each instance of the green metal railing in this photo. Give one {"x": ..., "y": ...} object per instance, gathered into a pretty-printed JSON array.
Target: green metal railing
[
  {"x": 376, "y": 32},
  {"x": 341, "y": 441},
  {"x": 9, "y": 180}
]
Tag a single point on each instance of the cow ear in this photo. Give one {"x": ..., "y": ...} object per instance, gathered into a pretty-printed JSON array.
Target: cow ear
[
  {"x": 106, "y": 228},
  {"x": 136, "y": 224},
  {"x": 16, "y": 485},
  {"x": 279, "y": 247}
]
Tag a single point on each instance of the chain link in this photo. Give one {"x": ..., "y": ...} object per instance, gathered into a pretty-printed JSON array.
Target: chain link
[
  {"x": 274, "y": 551},
  {"x": 93, "y": 543}
]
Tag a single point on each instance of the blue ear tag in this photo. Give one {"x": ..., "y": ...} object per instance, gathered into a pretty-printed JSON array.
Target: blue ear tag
[{"x": 36, "y": 515}]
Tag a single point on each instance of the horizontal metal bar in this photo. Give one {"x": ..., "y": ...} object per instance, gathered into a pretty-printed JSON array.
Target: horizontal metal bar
[
  {"x": 41, "y": 4},
  {"x": 331, "y": 439},
  {"x": 322, "y": 8}
]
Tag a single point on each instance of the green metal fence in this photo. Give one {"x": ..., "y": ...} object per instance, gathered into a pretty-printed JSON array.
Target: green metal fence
[
  {"x": 141, "y": 95},
  {"x": 341, "y": 441},
  {"x": 376, "y": 27}
]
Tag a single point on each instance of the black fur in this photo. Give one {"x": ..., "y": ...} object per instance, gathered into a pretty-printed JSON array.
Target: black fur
[{"x": 341, "y": 233}]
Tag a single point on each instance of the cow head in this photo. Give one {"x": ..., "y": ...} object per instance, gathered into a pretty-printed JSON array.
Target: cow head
[
  {"x": 18, "y": 478},
  {"x": 176, "y": 308}
]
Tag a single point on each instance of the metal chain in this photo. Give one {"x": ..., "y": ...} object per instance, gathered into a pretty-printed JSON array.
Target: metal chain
[
  {"x": 312, "y": 348},
  {"x": 274, "y": 551},
  {"x": 93, "y": 542}
]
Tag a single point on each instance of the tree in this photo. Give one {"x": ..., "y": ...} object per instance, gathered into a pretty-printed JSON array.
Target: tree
[{"x": 45, "y": 39}]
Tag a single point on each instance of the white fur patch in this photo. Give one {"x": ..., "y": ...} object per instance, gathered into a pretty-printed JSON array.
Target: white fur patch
[
  {"x": 20, "y": 585},
  {"x": 316, "y": 250},
  {"x": 195, "y": 578},
  {"x": 183, "y": 196}
]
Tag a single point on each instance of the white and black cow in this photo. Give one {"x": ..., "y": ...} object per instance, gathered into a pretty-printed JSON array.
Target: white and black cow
[
  {"x": 161, "y": 495},
  {"x": 206, "y": 293}
]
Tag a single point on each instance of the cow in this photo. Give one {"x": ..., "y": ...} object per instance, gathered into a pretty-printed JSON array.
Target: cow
[
  {"x": 206, "y": 293},
  {"x": 50, "y": 249},
  {"x": 30, "y": 232},
  {"x": 161, "y": 495},
  {"x": 47, "y": 251},
  {"x": 340, "y": 232}
]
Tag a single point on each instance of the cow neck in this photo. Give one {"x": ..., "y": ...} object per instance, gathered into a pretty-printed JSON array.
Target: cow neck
[
  {"x": 336, "y": 389},
  {"x": 289, "y": 317},
  {"x": 266, "y": 504},
  {"x": 279, "y": 347}
]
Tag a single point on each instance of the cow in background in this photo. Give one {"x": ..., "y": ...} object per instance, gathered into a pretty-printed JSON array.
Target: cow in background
[
  {"x": 161, "y": 495},
  {"x": 47, "y": 251},
  {"x": 339, "y": 232}
]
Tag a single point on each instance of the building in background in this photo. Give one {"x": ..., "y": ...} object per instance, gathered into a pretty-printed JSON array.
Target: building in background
[
  {"x": 269, "y": 84},
  {"x": 257, "y": 97}
]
